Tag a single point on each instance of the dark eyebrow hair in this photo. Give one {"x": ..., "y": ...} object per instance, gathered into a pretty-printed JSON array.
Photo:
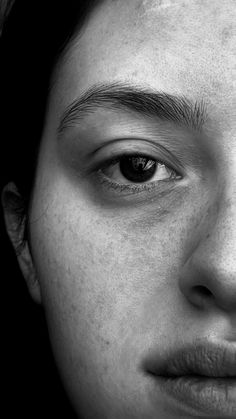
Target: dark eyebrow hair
[{"x": 121, "y": 96}]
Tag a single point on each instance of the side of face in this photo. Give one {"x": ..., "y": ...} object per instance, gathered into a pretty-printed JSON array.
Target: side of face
[{"x": 119, "y": 271}]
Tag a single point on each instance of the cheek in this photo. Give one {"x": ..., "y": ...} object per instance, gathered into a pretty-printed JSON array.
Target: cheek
[
  {"x": 95, "y": 270},
  {"x": 106, "y": 283}
]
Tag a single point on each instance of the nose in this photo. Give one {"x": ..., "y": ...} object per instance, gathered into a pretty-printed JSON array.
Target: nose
[{"x": 209, "y": 275}]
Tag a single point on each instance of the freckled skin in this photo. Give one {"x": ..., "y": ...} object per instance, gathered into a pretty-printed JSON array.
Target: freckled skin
[{"x": 119, "y": 280}]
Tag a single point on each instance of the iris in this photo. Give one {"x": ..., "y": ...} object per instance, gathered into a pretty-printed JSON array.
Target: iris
[{"x": 137, "y": 168}]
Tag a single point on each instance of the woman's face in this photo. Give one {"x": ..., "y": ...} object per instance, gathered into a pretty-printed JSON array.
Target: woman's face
[{"x": 133, "y": 216}]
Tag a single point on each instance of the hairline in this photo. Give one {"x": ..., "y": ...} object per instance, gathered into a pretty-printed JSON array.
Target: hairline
[{"x": 70, "y": 44}]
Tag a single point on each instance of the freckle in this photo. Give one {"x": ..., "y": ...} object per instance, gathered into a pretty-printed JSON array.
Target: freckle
[
  {"x": 138, "y": 5},
  {"x": 226, "y": 34},
  {"x": 74, "y": 308},
  {"x": 105, "y": 342},
  {"x": 134, "y": 73}
]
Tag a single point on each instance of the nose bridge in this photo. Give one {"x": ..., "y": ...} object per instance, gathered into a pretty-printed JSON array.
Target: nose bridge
[
  {"x": 218, "y": 247},
  {"x": 220, "y": 239},
  {"x": 221, "y": 234},
  {"x": 212, "y": 266}
]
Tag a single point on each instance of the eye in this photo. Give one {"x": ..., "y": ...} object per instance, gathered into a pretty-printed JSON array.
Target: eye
[{"x": 137, "y": 169}]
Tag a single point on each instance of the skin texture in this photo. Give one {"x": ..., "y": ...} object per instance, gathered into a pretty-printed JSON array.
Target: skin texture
[{"x": 119, "y": 276}]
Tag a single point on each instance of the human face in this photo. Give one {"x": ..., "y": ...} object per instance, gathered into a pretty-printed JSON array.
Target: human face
[{"x": 129, "y": 273}]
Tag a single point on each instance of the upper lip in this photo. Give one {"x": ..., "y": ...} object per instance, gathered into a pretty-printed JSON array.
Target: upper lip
[{"x": 200, "y": 358}]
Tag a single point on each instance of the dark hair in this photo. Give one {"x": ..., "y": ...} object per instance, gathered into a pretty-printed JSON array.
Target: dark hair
[{"x": 34, "y": 37}]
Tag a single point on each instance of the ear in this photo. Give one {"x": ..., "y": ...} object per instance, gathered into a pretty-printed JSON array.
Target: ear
[{"x": 15, "y": 221}]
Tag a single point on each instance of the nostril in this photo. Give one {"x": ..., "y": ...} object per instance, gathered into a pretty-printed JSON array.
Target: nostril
[{"x": 203, "y": 291}]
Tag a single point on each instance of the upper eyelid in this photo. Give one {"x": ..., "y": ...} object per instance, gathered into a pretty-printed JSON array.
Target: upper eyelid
[
  {"x": 155, "y": 148},
  {"x": 106, "y": 162},
  {"x": 118, "y": 158},
  {"x": 135, "y": 142}
]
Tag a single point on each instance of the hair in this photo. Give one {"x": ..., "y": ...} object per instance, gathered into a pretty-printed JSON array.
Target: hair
[{"x": 34, "y": 38}]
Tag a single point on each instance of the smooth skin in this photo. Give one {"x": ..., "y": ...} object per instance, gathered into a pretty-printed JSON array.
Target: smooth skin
[{"x": 121, "y": 276}]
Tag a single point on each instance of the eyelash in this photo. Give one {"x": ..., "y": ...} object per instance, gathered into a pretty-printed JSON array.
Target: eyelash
[{"x": 133, "y": 188}]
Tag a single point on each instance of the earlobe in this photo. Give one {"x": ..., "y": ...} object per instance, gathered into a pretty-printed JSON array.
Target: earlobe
[{"x": 15, "y": 222}]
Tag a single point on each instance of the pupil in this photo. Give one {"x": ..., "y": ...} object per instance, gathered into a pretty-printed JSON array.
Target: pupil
[{"x": 137, "y": 168}]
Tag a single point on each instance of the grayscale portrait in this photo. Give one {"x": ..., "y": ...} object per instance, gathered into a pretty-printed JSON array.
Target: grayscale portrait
[{"x": 118, "y": 192}]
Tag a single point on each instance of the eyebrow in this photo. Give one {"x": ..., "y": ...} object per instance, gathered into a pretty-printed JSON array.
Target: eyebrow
[{"x": 123, "y": 96}]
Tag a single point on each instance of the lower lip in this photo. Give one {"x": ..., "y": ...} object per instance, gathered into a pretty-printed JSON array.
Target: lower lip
[{"x": 202, "y": 395}]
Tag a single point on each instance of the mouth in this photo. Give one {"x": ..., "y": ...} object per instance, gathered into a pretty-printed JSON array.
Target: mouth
[{"x": 200, "y": 378}]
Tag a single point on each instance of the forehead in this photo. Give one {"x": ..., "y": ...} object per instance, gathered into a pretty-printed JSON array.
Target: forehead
[{"x": 180, "y": 47}]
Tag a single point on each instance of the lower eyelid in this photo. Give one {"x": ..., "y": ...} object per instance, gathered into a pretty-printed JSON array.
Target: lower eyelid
[{"x": 132, "y": 187}]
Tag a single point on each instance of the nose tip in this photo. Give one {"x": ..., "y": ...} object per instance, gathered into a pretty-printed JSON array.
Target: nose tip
[
  {"x": 203, "y": 289},
  {"x": 208, "y": 277},
  {"x": 226, "y": 297}
]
